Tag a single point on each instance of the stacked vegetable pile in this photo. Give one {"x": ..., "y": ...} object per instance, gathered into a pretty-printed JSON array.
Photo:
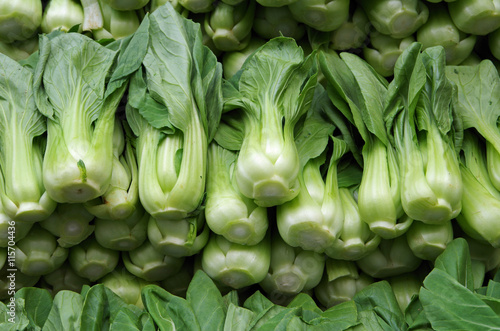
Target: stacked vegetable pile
[{"x": 148, "y": 187}]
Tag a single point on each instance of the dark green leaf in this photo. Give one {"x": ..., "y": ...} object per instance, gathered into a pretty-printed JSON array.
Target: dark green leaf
[
  {"x": 449, "y": 305},
  {"x": 380, "y": 298}
]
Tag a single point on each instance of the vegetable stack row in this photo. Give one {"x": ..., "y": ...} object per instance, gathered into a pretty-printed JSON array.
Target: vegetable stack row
[
  {"x": 379, "y": 31},
  {"x": 303, "y": 172}
]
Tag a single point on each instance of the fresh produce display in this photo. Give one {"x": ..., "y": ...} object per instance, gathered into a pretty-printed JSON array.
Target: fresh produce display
[{"x": 249, "y": 165}]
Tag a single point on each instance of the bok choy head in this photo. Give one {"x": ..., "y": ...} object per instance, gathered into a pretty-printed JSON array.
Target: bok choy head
[
  {"x": 273, "y": 90},
  {"x": 78, "y": 86},
  {"x": 227, "y": 211},
  {"x": 175, "y": 102},
  {"x": 313, "y": 219},
  {"x": 420, "y": 119},
  {"x": 359, "y": 92},
  {"x": 22, "y": 144}
]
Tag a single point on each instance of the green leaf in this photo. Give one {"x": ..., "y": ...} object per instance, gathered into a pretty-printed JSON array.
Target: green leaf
[
  {"x": 314, "y": 134},
  {"x": 449, "y": 305},
  {"x": 286, "y": 319},
  {"x": 456, "y": 262},
  {"x": 69, "y": 85},
  {"x": 372, "y": 90},
  {"x": 209, "y": 95},
  {"x": 285, "y": 80},
  {"x": 128, "y": 320},
  {"x": 478, "y": 103},
  {"x": 13, "y": 319},
  {"x": 438, "y": 91},
  {"x": 380, "y": 298},
  {"x": 493, "y": 289},
  {"x": 263, "y": 308},
  {"x": 65, "y": 313},
  {"x": 338, "y": 317},
  {"x": 206, "y": 301},
  {"x": 37, "y": 304},
  {"x": 415, "y": 315},
  {"x": 100, "y": 307},
  {"x": 492, "y": 302},
  {"x": 168, "y": 311},
  {"x": 139, "y": 98},
  {"x": 131, "y": 52},
  {"x": 340, "y": 77},
  {"x": 306, "y": 302},
  {"x": 237, "y": 318},
  {"x": 404, "y": 90},
  {"x": 231, "y": 297},
  {"x": 17, "y": 102}
]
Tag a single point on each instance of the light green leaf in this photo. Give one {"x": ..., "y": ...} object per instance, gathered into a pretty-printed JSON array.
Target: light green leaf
[
  {"x": 37, "y": 304},
  {"x": 206, "y": 301},
  {"x": 456, "y": 262},
  {"x": 372, "y": 90},
  {"x": 74, "y": 76},
  {"x": 65, "y": 313},
  {"x": 478, "y": 103},
  {"x": 17, "y": 103},
  {"x": 237, "y": 318},
  {"x": 438, "y": 91}
]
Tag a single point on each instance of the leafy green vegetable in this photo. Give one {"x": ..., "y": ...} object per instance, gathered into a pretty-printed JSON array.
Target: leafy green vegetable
[
  {"x": 78, "y": 85},
  {"x": 272, "y": 101},
  {"x": 236, "y": 265},
  {"x": 227, "y": 211},
  {"x": 24, "y": 197},
  {"x": 174, "y": 113}
]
